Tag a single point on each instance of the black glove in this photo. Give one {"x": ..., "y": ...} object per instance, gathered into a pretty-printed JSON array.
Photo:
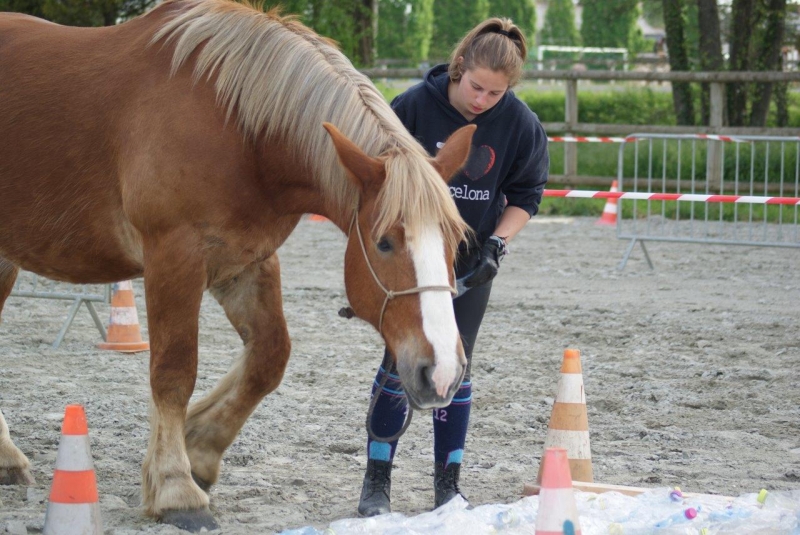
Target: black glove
[{"x": 491, "y": 253}]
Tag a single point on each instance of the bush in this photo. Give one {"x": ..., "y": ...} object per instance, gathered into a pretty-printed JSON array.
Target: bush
[
  {"x": 629, "y": 106},
  {"x": 639, "y": 105}
]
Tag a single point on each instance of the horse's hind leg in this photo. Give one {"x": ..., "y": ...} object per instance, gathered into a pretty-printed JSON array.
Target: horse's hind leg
[
  {"x": 14, "y": 466},
  {"x": 175, "y": 278},
  {"x": 8, "y": 276},
  {"x": 252, "y": 302}
]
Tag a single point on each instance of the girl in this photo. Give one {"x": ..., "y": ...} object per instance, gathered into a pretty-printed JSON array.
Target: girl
[{"x": 497, "y": 192}]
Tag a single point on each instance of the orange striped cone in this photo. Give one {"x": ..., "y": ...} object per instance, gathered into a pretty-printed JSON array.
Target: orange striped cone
[
  {"x": 569, "y": 422},
  {"x": 609, "y": 216},
  {"x": 558, "y": 513},
  {"x": 74, "y": 507},
  {"x": 123, "y": 329}
]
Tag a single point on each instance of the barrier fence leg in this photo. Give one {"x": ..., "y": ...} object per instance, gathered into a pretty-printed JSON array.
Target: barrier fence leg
[
  {"x": 98, "y": 323},
  {"x": 647, "y": 256},
  {"x": 73, "y": 311},
  {"x": 628, "y": 251},
  {"x": 625, "y": 256}
]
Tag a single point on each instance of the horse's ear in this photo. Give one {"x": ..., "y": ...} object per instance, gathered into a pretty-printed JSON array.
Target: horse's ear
[
  {"x": 453, "y": 155},
  {"x": 367, "y": 172}
]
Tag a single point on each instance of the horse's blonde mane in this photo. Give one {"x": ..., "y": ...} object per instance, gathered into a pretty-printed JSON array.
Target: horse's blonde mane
[{"x": 279, "y": 76}]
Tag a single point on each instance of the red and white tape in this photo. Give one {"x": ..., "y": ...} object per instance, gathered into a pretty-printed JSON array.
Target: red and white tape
[
  {"x": 693, "y": 197},
  {"x": 588, "y": 139},
  {"x": 581, "y": 139}
]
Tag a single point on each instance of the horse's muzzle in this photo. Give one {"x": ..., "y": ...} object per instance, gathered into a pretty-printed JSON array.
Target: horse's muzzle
[{"x": 421, "y": 390}]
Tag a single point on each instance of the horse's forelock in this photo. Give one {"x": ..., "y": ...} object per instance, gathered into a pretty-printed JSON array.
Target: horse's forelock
[{"x": 415, "y": 195}]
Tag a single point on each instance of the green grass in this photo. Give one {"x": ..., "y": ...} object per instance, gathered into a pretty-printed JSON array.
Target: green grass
[
  {"x": 631, "y": 105},
  {"x": 686, "y": 159}
]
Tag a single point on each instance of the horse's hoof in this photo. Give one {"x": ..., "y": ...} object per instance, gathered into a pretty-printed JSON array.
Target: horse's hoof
[
  {"x": 192, "y": 520},
  {"x": 203, "y": 484},
  {"x": 16, "y": 476}
]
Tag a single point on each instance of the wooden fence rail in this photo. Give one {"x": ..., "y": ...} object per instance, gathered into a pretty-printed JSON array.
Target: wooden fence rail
[{"x": 717, "y": 82}]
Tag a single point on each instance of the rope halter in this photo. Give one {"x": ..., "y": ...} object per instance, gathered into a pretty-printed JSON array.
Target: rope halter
[{"x": 390, "y": 294}]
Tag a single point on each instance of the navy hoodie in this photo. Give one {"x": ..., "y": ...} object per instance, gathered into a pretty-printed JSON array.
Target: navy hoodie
[{"x": 508, "y": 158}]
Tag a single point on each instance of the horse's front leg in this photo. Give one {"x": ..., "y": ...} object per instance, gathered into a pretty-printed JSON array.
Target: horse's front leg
[
  {"x": 252, "y": 302},
  {"x": 175, "y": 278}
]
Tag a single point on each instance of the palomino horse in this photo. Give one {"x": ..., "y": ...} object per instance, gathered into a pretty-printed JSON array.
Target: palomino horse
[{"x": 184, "y": 146}]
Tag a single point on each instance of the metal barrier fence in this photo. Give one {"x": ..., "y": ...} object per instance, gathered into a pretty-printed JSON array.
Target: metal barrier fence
[
  {"x": 724, "y": 190},
  {"x": 31, "y": 286}
]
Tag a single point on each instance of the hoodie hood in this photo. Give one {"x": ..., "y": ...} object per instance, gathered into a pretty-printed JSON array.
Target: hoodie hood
[{"x": 437, "y": 80}]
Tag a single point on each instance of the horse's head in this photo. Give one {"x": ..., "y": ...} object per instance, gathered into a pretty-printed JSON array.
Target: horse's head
[{"x": 399, "y": 263}]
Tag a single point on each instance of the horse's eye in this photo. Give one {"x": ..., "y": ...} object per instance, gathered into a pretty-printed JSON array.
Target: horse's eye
[{"x": 384, "y": 246}]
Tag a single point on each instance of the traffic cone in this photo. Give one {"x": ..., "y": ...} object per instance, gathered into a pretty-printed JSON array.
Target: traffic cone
[
  {"x": 123, "y": 329},
  {"x": 609, "y": 216},
  {"x": 558, "y": 513},
  {"x": 569, "y": 422},
  {"x": 74, "y": 507}
]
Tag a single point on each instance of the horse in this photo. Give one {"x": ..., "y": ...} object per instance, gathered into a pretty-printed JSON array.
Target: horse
[{"x": 184, "y": 146}]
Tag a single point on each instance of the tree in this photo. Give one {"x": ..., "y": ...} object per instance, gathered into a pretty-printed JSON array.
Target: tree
[
  {"x": 80, "y": 12},
  {"x": 452, "y": 19},
  {"x": 768, "y": 57},
  {"x": 559, "y": 25},
  {"x": 351, "y": 23},
  {"x": 742, "y": 14},
  {"x": 613, "y": 24},
  {"x": 30, "y": 7},
  {"x": 709, "y": 48},
  {"x": 406, "y": 28},
  {"x": 756, "y": 35},
  {"x": 678, "y": 60},
  {"x": 522, "y": 12}
]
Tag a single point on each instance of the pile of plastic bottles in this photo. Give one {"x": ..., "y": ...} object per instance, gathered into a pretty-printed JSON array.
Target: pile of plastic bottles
[{"x": 661, "y": 511}]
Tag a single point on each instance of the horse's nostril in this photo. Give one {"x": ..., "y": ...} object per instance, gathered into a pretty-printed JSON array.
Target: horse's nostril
[{"x": 425, "y": 378}]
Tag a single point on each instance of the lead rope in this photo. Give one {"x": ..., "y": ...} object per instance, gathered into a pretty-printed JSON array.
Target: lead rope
[{"x": 389, "y": 296}]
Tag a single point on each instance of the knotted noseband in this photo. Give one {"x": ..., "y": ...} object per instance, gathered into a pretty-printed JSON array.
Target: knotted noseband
[{"x": 390, "y": 294}]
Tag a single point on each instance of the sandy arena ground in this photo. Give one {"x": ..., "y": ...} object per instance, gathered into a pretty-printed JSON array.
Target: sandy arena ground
[{"x": 690, "y": 370}]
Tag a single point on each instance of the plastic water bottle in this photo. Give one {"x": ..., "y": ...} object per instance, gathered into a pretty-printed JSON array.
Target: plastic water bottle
[
  {"x": 307, "y": 530},
  {"x": 506, "y": 519},
  {"x": 728, "y": 514},
  {"x": 686, "y": 515}
]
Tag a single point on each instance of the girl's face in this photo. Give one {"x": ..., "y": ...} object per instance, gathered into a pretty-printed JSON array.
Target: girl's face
[{"x": 478, "y": 90}]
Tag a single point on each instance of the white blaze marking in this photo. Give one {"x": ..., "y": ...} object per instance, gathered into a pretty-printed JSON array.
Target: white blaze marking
[{"x": 438, "y": 320}]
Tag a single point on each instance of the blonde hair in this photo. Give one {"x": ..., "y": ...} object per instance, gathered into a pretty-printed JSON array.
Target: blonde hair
[{"x": 496, "y": 44}]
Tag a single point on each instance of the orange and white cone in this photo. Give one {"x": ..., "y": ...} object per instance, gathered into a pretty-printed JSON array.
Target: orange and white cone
[
  {"x": 74, "y": 507},
  {"x": 558, "y": 513},
  {"x": 569, "y": 422},
  {"x": 124, "y": 334},
  {"x": 609, "y": 216}
]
